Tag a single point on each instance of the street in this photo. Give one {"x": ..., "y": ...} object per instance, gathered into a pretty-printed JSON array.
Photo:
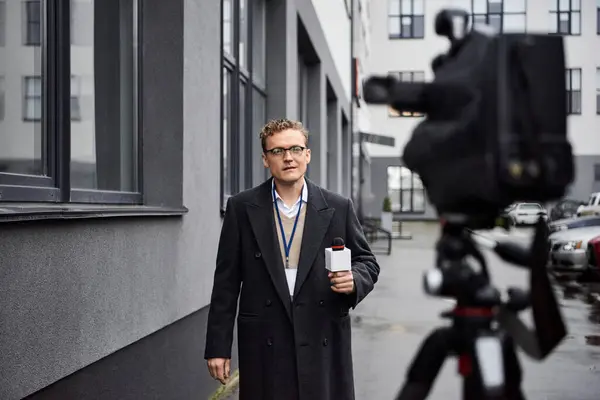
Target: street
[{"x": 390, "y": 324}]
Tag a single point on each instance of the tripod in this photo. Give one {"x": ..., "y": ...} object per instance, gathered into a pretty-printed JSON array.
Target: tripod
[{"x": 484, "y": 327}]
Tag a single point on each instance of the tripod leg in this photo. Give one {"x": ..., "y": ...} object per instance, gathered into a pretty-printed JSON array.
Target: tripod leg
[
  {"x": 512, "y": 370},
  {"x": 427, "y": 364}
]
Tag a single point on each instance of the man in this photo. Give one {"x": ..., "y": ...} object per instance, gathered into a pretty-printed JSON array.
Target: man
[{"x": 294, "y": 338}]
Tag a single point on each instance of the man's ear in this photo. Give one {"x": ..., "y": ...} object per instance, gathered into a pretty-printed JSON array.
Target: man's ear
[{"x": 264, "y": 160}]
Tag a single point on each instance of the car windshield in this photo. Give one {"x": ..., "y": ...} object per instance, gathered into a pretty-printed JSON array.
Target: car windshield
[
  {"x": 529, "y": 207},
  {"x": 581, "y": 223}
]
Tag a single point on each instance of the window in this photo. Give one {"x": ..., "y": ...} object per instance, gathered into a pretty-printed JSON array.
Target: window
[
  {"x": 33, "y": 22},
  {"x": 243, "y": 99},
  {"x": 32, "y": 110},
  {"x": 405, "y": 190},
  {"x": 598, "y": 91},
  {"x": 406, "y": 19},
  {"x": 407, "y": 76},
  {"x": 598, "y": 17},
  {"x": 76, "y": 139},
  {"x": 565, "y": 17},
  {"x": 597, "y": 172},
  {"x": 573, "y": 90},
  {"x": 2, "y": 96},
  {"x": 502, "y": 15},
  {"x": 2, "y": 23}
]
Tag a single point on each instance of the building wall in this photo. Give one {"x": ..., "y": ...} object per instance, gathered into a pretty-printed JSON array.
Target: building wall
[
  {"x": 416, "y": 54},
  {"x": 110, "y": 300}
]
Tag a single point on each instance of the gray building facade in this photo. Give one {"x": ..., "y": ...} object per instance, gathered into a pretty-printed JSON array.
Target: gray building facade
[{"x": 112, "y": 182}]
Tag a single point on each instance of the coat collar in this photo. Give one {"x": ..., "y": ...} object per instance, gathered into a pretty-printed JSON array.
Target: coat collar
[{"x": 262, "y": 221}]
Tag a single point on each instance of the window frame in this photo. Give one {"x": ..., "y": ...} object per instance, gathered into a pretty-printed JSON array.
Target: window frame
[
  {"x": 570, "y": 91},
  {"x": 54, "y": 186},
  {"x": 597, "y": 90},
  {"x": 240, "y": 159},
  {"x": 405, "y": 114},
  {"x": 500, "y": 14},
  {"x": 398, "y": 18},
  {"x": 555, "y": 12},
  {"x": 412, "y": 190}
]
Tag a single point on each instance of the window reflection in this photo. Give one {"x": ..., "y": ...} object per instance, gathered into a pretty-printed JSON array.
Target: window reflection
[
  {"x": 22, "y": 92},
  {"x": 104, "y": 95}
]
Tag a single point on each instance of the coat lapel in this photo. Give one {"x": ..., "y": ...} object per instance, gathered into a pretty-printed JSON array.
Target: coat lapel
[
  {"x": 317, "y": 220},
  {"x": 260, "y": 214}
]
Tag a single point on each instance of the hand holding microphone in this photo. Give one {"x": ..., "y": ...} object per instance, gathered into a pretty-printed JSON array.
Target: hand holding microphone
[{"x": 338, "y": 262}]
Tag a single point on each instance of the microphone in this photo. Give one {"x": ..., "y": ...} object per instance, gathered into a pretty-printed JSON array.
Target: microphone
[{"x": 338, "y": 257}]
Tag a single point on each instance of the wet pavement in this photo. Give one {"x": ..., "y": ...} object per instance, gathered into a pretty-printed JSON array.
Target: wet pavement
[{"x": 390, "y": 324}]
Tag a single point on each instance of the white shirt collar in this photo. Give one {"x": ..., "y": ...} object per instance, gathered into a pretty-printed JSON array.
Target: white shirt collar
[{"x": 304, "y": 193}]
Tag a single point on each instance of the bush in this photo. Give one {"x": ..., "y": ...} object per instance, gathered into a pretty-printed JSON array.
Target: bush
[{"x": 387, "y": 204}]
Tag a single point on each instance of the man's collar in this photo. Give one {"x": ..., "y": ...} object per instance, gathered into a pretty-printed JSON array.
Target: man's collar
[{"x": 304, "y": 191}]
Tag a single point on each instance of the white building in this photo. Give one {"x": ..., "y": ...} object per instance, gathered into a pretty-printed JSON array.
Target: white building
[{"x": 403, "y": 41}]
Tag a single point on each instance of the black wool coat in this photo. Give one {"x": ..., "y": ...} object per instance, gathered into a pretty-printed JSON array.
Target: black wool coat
[{"x": 287, "y": 350}]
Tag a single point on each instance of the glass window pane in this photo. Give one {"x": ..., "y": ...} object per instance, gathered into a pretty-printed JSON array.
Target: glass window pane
[
  {"x": 419, "y": 76},
  {"x": 243, "y": 33},
  {"x": 406, "y": 200},
  {"x": 394, "y": 7},
  {"x": 33, "y": 28},
  {"x": 21, "y": 100},
  {"x": 418, "y": 199},
  {"x": 576, "y": 79},
  {"x": 418, "y": 27},
  {"x": 575, "y": 23},
  {"x": 495, "y": 7},
  {"x": 104, "y": 140},
  {"x": 479, "y": 20},
  {"x": 406, "y": 7},
  {"x": 2, "y": 23},
  {"x": 495, "y": 22},
  {"x": 479, "y": 6},
  {"x": 516, "y": 6},
  {"x": 226, "y": 133},
  {"x": 405, "y": 178},
  {"x": 258, "y": 40},
  {"x": 82, "y": 11},
  {"x": 393, "y": 175},
  {"x": 576, "y": 102},
  {"x": 227, "y": 25},
  {"x": 2, "y": 101},
  {"x": 258, "y": 120},
  {"x": 563, "y": 23},
  {"x": 418, "y": 7},
  {"x": 564, "y": 5},
  {"x": 514, "y": 23},
  {"x": 575, "y": 5}
]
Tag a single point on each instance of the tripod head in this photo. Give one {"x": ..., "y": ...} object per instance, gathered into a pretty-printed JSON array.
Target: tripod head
[{"x": 485, "y": 324}]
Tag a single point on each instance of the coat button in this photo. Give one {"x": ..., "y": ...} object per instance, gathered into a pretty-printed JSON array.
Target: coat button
[
  {"x": 269, "y": 342},
  {"x": 321, "y": 303},
  {"x": 325, "y": 342},
  {"x": 268, "y": 303},
  {"x": 257, "y": 254}
]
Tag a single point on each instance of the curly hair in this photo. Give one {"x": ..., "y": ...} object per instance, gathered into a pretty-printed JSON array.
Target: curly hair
[{"x": 279, "y": 125}]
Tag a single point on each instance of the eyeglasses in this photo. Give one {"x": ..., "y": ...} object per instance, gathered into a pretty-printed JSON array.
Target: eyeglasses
[{"x": 280, "y": 151}]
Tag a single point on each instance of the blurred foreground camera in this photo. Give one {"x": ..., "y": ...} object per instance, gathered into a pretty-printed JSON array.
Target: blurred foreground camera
[{"x": 495, "y": 130}]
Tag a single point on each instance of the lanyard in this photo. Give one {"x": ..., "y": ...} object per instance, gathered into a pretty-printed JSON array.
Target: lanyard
[{"x": 287, "y": 246}]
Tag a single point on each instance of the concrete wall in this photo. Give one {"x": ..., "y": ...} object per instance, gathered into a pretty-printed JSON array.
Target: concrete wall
[{"x": 116, "y": 307}]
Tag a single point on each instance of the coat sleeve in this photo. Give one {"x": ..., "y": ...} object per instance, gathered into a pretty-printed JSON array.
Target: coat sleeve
[
  {"x": 226, "y": 288},
  {"x": 365, "y": 267}
]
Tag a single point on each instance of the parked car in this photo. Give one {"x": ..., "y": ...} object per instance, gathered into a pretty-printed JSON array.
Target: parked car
[
  {"x": 593, "y": 257},
  {"x": 592, "y": 207},
  {"x": 526, "y": 213},
  {"x": 572, "y": 223},
  {"x": 568, "y": 248},
  {"x": 566, "y": 208}
]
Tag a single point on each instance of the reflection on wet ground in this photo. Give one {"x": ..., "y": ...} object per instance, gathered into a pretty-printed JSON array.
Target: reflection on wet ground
[{"x": 389, "y": 326}]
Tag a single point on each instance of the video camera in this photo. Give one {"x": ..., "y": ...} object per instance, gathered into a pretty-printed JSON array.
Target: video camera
[{"x": 495, "y": 130}]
